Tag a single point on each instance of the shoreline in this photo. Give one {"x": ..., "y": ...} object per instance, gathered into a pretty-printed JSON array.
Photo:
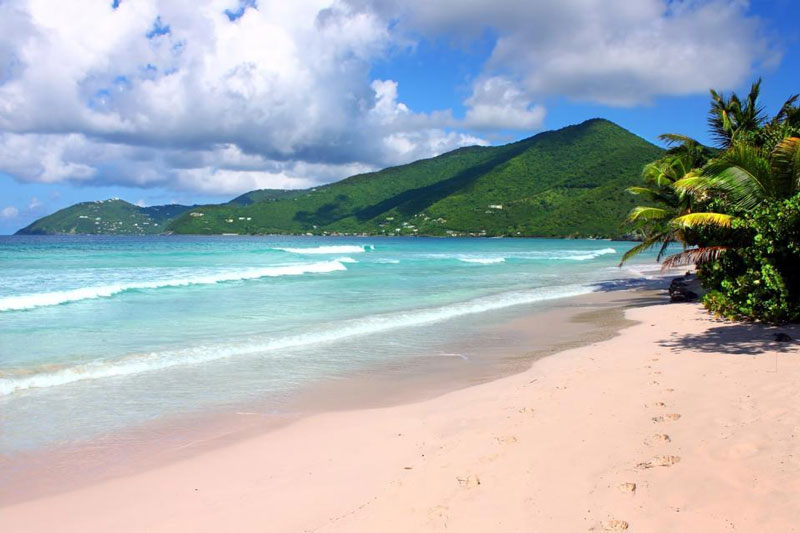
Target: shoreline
[
  {"x": 572, "y": 443},
  {"x": 527, "y": 335}
]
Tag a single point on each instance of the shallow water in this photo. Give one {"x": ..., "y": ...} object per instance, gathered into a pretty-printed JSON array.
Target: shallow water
[{"x": 99, "y": 334}]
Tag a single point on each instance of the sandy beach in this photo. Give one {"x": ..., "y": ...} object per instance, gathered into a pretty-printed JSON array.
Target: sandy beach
[{"x": 679, "y": 423}]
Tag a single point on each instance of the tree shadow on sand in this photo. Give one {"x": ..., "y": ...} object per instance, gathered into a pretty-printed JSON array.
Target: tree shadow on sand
[
  {"x": 735, "y": 339},
  {"x": 644, "y": 291},
  {"x": 730, "y": 338}
]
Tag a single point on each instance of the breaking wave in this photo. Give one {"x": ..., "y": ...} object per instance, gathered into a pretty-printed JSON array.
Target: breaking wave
[
  {"x": 322, "y": 250},
  {"x": 31, "y": 301}
]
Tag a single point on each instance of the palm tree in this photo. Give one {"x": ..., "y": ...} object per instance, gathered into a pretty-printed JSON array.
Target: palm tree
[
  {"x": 730, "y": 119},
  {"x": 661, "y": 176},
  {"x": 741, "y": 178},
  {"x": 760, "y": 161}
]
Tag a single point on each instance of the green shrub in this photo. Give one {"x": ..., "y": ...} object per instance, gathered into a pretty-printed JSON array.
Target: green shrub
[{"x": 761, "y": 280}]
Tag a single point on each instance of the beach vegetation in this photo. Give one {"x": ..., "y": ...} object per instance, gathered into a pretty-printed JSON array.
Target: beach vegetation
[{"x": 734, "y": 208}]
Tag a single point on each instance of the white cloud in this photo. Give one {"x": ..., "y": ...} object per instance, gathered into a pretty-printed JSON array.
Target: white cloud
[
  {"x": 615, "y": 52},
  {"x": 618, "y": 52},
  {"x": 9, "y": 212},
  {"x": 497, "y": 103},
  {"x": 282, "y": 96},
  {"x": 211, "y": 104}
]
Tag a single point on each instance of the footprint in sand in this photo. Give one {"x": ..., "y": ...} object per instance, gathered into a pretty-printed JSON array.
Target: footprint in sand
[
  {"x": 439, "y": 515},
  {"x": 658, "y": 438},
  {"x": 469, "y": 482},
  {"x": 527, "y": 410},
  {"x": 657, "y": 404},
  {"x": 627, "y": 488},
  {"x": 671, "y": 417},
  {"x": 615, "y": 525},
  {"x": 506, "y": 439},
  {"x": 661, "y": 460}
]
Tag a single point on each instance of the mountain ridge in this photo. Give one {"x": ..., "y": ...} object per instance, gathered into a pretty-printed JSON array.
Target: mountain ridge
[
  {"x": 106, "y": 217},
  {"x": 568, "y": 182}
]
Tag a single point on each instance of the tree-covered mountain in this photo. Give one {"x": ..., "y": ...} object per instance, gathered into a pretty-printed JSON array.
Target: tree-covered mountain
[
  {"x": 264, "y": 195},
  {"x": 569, "y": 182},
  {"x": 107, "y": 217}
]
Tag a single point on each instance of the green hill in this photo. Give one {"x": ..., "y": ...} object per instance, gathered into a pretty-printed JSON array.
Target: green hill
[
  {"x": 569, "y": 182},
  {"x": 109, "y": 217},
  {"x": 264, "y": 195}
]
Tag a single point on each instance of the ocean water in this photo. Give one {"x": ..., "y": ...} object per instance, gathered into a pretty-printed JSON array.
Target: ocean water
[{"x": 99, "y": 334}]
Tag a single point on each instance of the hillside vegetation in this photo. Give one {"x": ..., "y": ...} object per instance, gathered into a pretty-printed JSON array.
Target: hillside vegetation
[
  {"x": 106, "y": 217},
  {"x": 569, "y": 182},
  {"x": 565, "y": 183}
]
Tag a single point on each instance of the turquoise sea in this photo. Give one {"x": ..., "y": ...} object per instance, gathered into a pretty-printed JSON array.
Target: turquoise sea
[{"x": 99, "y": 334}]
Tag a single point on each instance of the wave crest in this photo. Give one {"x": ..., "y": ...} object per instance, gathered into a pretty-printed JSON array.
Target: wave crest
[
  {"x": 482, "y": 260},
  {"x": 324, "y": 250},
  {"x": 44, "y": 299}
]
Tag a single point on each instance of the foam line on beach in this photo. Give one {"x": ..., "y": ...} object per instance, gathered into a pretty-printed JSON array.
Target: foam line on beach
[
  {"x": 140, "y": 363},
  {"x": 44, "y": 299}
]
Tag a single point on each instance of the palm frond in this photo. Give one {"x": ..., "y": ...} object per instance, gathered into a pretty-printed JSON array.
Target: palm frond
[
  {"x": 742, "y": 188},
  {"x": 658, "y": 173},
  {"x": 743, "y": 173},
  {"x": 786, "y": 110},
  {"x": 786, "y": 167},
  {"x": 652, "y": 194},
  {"x": 693, "y": 183},
  {"x": 693, "y": 220},
  {"x": 644, "y": 214},
  {"x": 672, "y": 139},
  {"x": 663, "y": 249},
  {"x": 695, "y": 256},
  {"x": 645, "y": 245}
]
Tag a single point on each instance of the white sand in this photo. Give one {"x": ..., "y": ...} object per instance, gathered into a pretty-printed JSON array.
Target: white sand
[{"x": 559, "y": 447}]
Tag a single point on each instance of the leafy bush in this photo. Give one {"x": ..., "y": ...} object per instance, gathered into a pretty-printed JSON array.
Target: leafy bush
[{"x": 759, "y": 281}]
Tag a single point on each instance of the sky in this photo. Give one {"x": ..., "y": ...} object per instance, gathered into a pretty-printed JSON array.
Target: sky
[{"x": 157, "y": 101}]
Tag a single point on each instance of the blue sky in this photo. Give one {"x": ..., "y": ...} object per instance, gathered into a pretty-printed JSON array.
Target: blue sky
[{"x": 157, "y": 103}]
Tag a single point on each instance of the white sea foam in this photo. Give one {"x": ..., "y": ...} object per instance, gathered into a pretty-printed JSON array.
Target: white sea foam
[
  {"x": 324, "y": 250},
  {"x": 482, "y": 260},
  {"x": 592, "y": 254},
  {"x": 43, "y": 299},
  {"x": 140, "y": 363}
]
